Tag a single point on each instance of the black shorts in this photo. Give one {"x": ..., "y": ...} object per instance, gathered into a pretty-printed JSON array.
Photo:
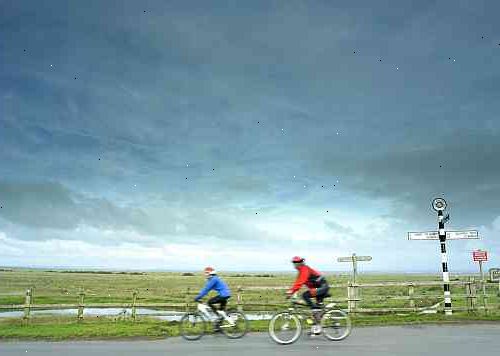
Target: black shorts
[{"x": 218, "y": 300}]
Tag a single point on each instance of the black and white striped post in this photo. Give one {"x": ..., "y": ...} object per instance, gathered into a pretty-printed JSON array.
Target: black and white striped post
[{"x": 439, "y": 205}]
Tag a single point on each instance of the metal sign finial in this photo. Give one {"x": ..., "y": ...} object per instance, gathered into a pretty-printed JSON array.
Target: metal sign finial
[{"x": 439, "y": 204}]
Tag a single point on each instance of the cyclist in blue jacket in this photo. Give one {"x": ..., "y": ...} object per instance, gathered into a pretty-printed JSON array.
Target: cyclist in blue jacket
[{"x": 217, "y": 284}]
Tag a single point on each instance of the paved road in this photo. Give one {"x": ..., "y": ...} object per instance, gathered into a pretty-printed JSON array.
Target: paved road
[{"x": 471, "y": 340}]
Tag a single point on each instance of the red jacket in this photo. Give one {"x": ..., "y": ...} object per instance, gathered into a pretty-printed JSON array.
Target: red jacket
[{"x": 307, "y": 276}]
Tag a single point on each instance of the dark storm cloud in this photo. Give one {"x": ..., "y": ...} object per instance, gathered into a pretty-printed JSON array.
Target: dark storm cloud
[
  {"x": 464, "y": 167},
  {"x": 183, "y": 119},
  {"x": 53, "y": 207}
]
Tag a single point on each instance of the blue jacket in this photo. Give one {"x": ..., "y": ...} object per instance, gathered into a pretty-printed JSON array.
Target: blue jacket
[{"x": 218, "y": 285}]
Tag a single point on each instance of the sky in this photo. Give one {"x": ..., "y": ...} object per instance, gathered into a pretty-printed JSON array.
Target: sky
[{"x": 173, "y": 135}]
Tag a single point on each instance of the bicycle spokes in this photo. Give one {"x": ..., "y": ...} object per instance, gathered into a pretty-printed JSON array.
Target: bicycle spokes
[
  {"x": 285, "y": 328},
  {"x": 336, "y": 325},
  {"x": 235, "y": 326}
]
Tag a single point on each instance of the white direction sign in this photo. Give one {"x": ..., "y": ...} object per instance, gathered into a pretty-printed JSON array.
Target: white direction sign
[
  {"x": 461, "y": 235},
  {"x": 450, "y": 235},
  {"x": 357, "y": 258},
  {"x": 427, "y": 235}
]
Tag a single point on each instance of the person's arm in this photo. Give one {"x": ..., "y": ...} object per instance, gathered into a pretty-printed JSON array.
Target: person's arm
[
  {"x": 301, "y": 280},
  {"x": 208, "y": 287}
]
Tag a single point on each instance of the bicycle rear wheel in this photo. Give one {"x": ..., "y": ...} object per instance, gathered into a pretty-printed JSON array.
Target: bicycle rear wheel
[
  {"x": 192, "y": 326},
  {"x": 239, "y": 326},
  {"x": 336, "y": 325},
  {"x": 285, "y": 328}
]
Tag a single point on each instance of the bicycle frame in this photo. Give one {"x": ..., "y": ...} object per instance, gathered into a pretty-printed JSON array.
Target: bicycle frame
[{"x": 207, "y": 312}]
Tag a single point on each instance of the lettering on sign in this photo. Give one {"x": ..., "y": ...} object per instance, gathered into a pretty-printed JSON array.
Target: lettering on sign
[
  {"x": 460, "y": 235},
  {"x": 494, "y": 274},
  {"x": 356, "y": 258},
  {"x": 426, "y": 235},
  {"x": 480, "y": 256},
  {"x": 450, "y": 235}
]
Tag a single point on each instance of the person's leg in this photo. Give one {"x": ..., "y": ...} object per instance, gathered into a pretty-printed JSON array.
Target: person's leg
[
  {"x": 307, "y": 298},
  {"x": 223, "y": 302},
  {"x": 212, "y": 302},
  {"x": 322, "y": 292}
]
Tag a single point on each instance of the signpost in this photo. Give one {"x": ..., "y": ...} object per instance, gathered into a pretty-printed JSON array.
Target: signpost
[
  {"x": 354, "y": 259},
  {"x": 450, "y": 235},
  {"x": 481, "y": 256},
  {"x": 494, "y": 274},
  {"x": 439, "y": 205},
  {"x": 352, "y": 290},
  {"x": 495, "y": 277}
]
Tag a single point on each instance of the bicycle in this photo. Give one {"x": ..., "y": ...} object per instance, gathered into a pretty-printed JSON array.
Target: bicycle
[
  {"x": 285, "y": 327},
  {"x": 193, "y": 325}
]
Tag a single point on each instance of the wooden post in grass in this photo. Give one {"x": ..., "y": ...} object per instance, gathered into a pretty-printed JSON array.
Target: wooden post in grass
[
  {"x": 468, "y": 296},
  {"x": 81, "y": 305},
  {"x": 238, "y": 299},
  {"x": 352, "y": 297},
  {"x": 187, "y": 298},
  {"x": 470, "y": 290},
  {"x": 134, "y": 301},
  {"x": 411, "y": 291},
  {"x": 27, "y": 305},
  {"x": 485, "y": 297}
]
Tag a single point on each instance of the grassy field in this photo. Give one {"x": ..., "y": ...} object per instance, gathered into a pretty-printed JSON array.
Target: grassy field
[{"x": 59, "y": 287}]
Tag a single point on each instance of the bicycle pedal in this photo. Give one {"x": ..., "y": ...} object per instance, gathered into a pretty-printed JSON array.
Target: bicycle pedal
[{"x": 309, "y": 333}]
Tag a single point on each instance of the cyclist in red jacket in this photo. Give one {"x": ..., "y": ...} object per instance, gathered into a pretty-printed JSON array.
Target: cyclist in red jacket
[{"x": 317, "y": 287}]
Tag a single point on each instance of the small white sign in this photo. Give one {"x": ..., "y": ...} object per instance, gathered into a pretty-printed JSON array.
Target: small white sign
[
  {"x": 427, "y": 235},
  {"x": 460, "y": 235},
  {"x": 494, "y": 274},
  {"x": 358, "y": 258},
  {"x": 450, "y": 235}
]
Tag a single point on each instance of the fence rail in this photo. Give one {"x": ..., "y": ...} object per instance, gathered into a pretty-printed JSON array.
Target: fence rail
[{"x": 353, "y": 299}]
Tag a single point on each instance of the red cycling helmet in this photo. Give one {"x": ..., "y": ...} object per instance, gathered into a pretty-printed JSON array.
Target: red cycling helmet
[{"x": 298, "y": 259}]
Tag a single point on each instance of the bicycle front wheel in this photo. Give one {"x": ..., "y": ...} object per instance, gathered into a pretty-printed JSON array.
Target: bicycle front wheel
[
  {"x": 192, "y": 326},
  {"x": 238, "y": 326},
  {"x": 285, "y": 328},
  {"x": 336, "y": 325}
]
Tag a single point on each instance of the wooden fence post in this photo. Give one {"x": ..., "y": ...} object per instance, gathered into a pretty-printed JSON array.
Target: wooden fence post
[
  {"x": 470, "y": 290},
  {"x": 81, "y": 305},
  {"x": 468, "y": 296},
  {"x": 187, "y": 298},
  {"x": 352, "y": 297},
  {"x": 411, "y": 291},
  {"x": 27, "y": 305},
  {"x": 485, "y": 296},
  {"x": 238, "y": 299},
  {"x": 134, "y": 301}
]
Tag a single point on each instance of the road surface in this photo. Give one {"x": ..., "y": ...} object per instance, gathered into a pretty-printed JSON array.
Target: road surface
[{"x": 470, "y": 340}]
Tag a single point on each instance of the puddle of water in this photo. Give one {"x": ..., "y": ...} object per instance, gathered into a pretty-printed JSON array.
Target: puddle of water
[{"x": 162, "y": 315}]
